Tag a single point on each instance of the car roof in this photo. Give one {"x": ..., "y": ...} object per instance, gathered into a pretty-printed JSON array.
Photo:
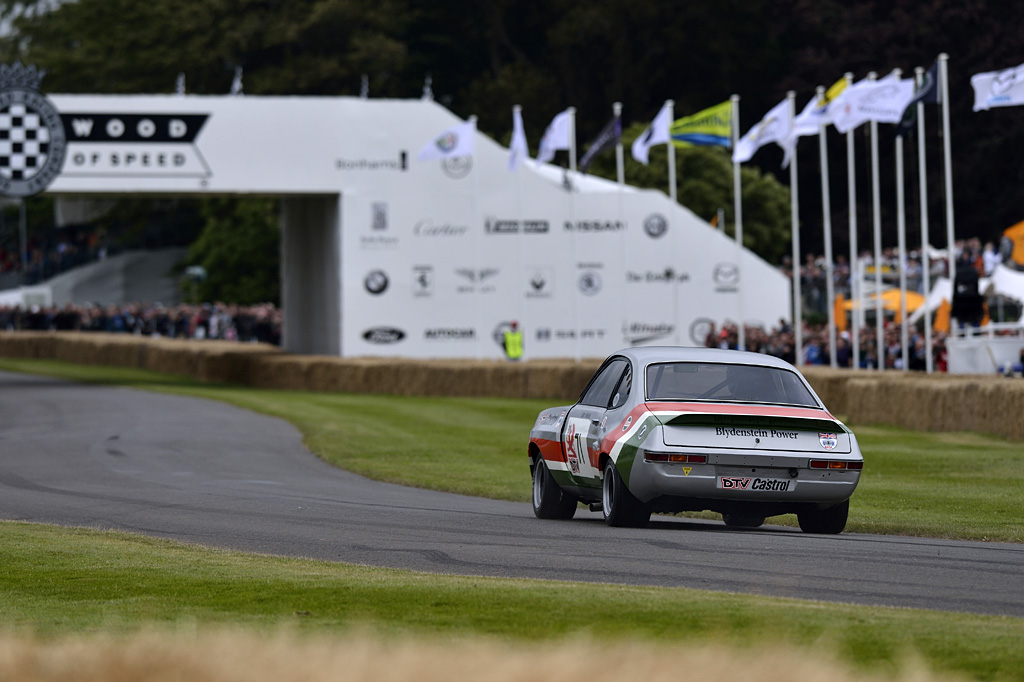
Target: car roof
[{"x": 645, "y": 355}]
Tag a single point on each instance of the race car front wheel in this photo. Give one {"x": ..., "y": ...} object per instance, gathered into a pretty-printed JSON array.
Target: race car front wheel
[{"x": 550, "y": 501}]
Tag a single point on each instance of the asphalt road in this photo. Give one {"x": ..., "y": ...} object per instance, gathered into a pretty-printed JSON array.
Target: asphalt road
[{"x": 205, "y": 472}]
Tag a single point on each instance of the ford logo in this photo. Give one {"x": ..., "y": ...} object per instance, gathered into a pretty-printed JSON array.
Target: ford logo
[{"x": 383, "y": 335}]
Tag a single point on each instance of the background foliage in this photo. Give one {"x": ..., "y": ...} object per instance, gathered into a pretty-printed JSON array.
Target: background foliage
[{"x": 484, "y": 56}]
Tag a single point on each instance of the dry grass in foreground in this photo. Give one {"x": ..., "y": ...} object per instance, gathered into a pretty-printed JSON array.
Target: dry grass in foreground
[{"x": 226, "y": 656}]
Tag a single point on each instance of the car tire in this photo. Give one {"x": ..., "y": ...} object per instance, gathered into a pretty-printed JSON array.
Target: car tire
[
  {"x": 829, "y": 521},
  {"x": 743, "y": 520},
  {"x": 549, "y": 500},
  {"x": 620, "y": 507}
]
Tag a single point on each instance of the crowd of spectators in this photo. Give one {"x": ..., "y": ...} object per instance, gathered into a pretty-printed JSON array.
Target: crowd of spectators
[
  {"x": 816, "y": 350},
  {"x": 230, "y": 322},
  {"x": 50, "y": 256},
  {"x": 813, "y": 283}
]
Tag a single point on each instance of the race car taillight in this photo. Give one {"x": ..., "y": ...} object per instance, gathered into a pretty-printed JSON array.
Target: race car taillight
[
  {"x": 835, "y": 464},
  {"x": 678, "y": 459}
]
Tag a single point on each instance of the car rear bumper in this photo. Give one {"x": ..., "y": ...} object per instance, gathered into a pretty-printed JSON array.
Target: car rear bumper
[{"x": 783, "y": 480}]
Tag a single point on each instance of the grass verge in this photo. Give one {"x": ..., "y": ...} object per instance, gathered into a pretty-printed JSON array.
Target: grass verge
[{"x": 58, "y": 581}]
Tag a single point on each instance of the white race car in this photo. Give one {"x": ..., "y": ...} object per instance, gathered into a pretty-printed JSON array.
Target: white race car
[{"x": 670, "y": 429}]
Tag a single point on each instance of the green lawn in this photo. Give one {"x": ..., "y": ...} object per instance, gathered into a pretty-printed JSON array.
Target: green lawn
[
  {"x": 963, "y": 485},
  {"x": 57, "y": 581}
]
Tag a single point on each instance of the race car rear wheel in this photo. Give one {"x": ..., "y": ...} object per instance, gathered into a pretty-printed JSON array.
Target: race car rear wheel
[
  {"x": 549, "y": 500},
  {"x": 829, "y": 521},
  {"x": 743, "y": 520},
  {"x": 620, "y": 507}
]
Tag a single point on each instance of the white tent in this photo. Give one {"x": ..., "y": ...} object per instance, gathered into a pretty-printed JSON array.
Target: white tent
[{"x": 385, "y": 255}]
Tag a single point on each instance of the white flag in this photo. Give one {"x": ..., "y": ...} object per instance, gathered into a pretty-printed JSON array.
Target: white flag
[
  {"x": 656, "y": 133},
  {"x": 555, "y": 137},
  {"x": 457, "y": 141},
  {"x": 998, "y": 88},
  {"x": 517, "y": 148},
  {"x": 236, "y": 84},
  {"x": 883, "y": 101},
  {"x": 774, "y": 127}
]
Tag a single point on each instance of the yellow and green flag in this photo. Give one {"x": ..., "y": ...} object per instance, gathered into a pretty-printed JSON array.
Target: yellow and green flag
[{"x": 713, "y": 126}]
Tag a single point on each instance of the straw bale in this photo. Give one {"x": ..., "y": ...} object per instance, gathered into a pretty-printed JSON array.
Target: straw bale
[{"x": 936, "y": 402}]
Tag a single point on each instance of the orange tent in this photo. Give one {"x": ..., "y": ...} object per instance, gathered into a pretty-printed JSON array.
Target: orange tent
[
  {"x": 1016, "y": 235},
  {"x": 942, "y": 317},
  {"x": 890, "y": 301},
  {"x": 839, "y": 311}
]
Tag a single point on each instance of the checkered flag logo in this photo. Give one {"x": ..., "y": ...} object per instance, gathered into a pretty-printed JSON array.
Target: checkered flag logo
[
  {"x": 24, "y": 142},
  {"x": 32, "y": 140}
]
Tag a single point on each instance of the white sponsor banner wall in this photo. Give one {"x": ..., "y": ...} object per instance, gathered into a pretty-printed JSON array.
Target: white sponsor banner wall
[{"x": 440, "y": 257}]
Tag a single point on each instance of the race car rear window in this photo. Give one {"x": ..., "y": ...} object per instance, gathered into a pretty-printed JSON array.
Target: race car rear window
[{"x": 674, "y": 381}]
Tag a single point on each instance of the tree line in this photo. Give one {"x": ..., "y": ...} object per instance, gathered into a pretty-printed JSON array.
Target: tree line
[{"x": 484, "y": 56}]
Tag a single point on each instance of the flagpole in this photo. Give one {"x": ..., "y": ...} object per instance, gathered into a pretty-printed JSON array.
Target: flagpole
[
  {"x": 517, "y": 111},
  {"x": 476, "y": 249},
  {"x": 794, "y": 203},
  {"x": 826, "y": 221},
  {"x": 901, "y": 237},
  {"x": 575, "y": 227},
  {"x": 948, "y": 163},
  {"x": 621, "y": 176},
  {"x": 856, "y": 290},
  {"x": 741, "y": 342},
  {"x": 670, "y": 105},
  {"x": 876, "y": 219},
  {"x": 620, "y": 166},
  {"x": 923, "y": 191}
]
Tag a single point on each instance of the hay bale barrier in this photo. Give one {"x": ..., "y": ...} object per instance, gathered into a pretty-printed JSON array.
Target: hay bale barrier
[{"x": 937, "y": 402}]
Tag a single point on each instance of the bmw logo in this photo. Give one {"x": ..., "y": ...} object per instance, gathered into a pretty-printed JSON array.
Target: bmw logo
[{"x": 376, "y": 282}]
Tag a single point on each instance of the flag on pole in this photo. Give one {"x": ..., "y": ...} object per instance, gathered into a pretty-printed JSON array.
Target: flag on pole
[
  {"x": 517, "y": 147},
  {"x": 656, "y": 133},
  {"x": 998, "y": 88},
  {"x": 712, "y": 126},
  {"x": 816, "y": 112},
  {"x": 555, "y": 137},
  {"x": 774, "y": 127},
  {"x": 883, "y": 101},
  {"x": 606, "y": 139},
  {"x": 456, "y": 141},
  {"x": 236, "y": 83},
  {"x": 928, "y": 93}
]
